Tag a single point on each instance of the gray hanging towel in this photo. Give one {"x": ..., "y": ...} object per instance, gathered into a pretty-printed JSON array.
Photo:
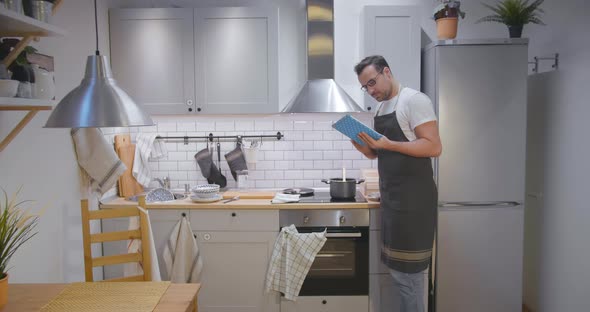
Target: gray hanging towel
[{"x": 236, "y": 161}]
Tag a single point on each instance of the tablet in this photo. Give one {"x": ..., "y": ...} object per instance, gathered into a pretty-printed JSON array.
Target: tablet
[{"x": 351, "y": 127}]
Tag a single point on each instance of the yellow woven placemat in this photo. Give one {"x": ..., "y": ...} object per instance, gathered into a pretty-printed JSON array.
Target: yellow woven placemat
[{"x": 108, "y": 296}]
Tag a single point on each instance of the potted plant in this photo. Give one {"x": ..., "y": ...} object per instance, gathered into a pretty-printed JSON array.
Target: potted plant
[
  {"x": 17, "y": 226},
  {"x": 446, "y": 15},
  {"x": 514, "y": 14}
]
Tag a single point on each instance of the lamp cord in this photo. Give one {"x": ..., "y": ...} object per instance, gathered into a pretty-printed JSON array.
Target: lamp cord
[{"x": 96, "y": 27}]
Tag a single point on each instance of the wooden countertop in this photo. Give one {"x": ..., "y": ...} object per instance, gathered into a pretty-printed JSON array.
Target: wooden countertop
[{"x": 238, "y": 204}]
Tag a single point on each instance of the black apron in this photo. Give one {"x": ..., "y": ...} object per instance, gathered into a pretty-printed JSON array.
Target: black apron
[{"x": 408, "y": 203}]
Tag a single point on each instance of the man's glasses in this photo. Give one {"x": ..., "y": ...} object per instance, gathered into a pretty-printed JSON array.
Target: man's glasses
[{"x": 371, "y": 82}]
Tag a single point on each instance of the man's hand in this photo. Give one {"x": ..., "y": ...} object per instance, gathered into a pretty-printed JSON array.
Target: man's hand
[
  {"x": 382, "y": 143},
  {"x": 365, "y": 149}
]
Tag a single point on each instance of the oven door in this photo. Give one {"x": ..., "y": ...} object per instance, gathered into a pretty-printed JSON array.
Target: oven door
[{"x": 341, "y": 267}]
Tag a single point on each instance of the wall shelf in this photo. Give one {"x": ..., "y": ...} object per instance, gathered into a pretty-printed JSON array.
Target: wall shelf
[
  {"x": 13, "y": 24},
  {"x": 32, "y": 109},
  {"x": 19, "y": 25}
]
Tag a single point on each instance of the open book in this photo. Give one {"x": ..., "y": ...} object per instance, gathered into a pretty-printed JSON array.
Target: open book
[{"x": 351, "y": 127}]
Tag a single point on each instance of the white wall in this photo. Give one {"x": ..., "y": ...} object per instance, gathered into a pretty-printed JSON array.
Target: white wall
[{"x": 557, "y": 275}]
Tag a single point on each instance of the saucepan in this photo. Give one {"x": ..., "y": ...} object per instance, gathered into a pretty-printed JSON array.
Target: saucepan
[{"x": 343, "y": 188}]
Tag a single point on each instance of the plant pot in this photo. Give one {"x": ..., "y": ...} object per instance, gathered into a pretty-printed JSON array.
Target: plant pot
[
  {"x": 4, "y": 291},
  {"x": 515, "y": 31},
  {"x": 446, "y": 28}
]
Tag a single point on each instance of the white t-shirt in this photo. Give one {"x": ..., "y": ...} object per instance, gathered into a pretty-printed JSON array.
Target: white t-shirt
[{"x": 413, "y": 109}]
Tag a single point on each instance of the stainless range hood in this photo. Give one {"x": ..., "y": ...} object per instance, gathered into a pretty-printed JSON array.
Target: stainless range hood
[{"x": 321, "y": 94}]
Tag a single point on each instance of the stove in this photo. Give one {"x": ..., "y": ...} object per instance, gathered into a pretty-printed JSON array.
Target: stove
[{"x": 324, "y": 197}]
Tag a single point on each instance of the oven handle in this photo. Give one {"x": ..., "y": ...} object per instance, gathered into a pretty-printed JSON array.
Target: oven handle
[{"x": 355, "y": 234}]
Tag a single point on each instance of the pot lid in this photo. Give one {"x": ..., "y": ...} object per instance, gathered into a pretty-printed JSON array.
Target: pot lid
[{"x": 302, "y": 191}]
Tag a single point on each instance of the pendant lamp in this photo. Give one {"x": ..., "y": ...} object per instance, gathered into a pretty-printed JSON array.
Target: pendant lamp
[{"x": 98, "y": 101}]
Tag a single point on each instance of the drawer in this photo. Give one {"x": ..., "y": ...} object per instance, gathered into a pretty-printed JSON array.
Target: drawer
[
  {"x": 167, "y": 214},
  {"x": 234, "y": 220}
]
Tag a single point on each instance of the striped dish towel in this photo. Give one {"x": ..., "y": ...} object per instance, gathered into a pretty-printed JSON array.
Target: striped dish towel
[
  {"x": 181, "y": 255},
  {"x": 134, "y": 246},
  {"x": 144, "y": 147},
  {"x": 291, "y": 260},
  {"x": 100, "y": 166}
]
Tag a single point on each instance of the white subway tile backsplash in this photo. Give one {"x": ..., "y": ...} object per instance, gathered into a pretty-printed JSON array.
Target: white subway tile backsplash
[
  {"x": 265, "y": 165},
  {"x": 265, "y": 183},
  {"x": 361, "y": 164},
  {"x": 310, "y": 150},
  {"x": 185, "y": 126},
  {"x": 205, "y": 126},
  {"x": 322, "y": 145},
  {"x": 283, "y": 145},
  {"x": 322, "y": 164},
  {"x": 313, "y": 135},
  {"x": 302, "y": 164},
  {"x": 224, "y": 126},
  {"x": 332, "y": 155},
  {"x": 312, "y": 155},
  {"x": 293, "y": 174},
  {"x": 322, "y": 125},
  {"x": 273, "y": 155},
  {"x": 244, "y": 125},
  {"x": 303, "y": 146},
  {"x": 261, "y": 125},
  {"x": 294, "y": 155},
  {"x": 177, "y": 156},
  {"x": 187, "y": 165},
  {"x": 165, "y": 127},
  {"x": 352, "y": 155},
  {"x": 283, "y": 164},
  {"x": 302, "y": 125},
  {"x": 273, "y": 175},
  {"x": 168, "y": 165},
  {"x": 313, "y": 174}
]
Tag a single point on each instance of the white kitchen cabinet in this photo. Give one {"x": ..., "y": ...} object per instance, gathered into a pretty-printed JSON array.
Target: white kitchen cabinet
[
  {"x": 152, "y": 57},
  {"x": 326, "y": 304},
  {"x": 201, "y": 60},
  {"x": 393, "y": 32},
  {"x": 236, "y": 60},
  {"x": 383, "y": 294},
  {"x": 234, "y": 271},
  {"x": 114, "y": 248}
]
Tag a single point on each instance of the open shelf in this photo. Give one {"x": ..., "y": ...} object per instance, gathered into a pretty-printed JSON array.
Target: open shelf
[
  {"x": 19, "y": 25},
  {"x": 24, "y": 103},
  {"x": 17, "y": 104}
]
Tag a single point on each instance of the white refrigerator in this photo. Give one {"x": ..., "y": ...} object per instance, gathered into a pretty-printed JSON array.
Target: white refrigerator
[{"x": 479, "y": 89}]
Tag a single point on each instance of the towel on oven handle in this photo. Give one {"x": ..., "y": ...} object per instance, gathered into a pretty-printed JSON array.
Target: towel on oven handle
[{"x": 291, "y": 259}]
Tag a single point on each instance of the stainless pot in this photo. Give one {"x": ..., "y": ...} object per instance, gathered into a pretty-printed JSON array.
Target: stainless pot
[{"x": 341, "y": 189}]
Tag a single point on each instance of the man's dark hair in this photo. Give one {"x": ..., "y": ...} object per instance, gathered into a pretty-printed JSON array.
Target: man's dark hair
[{"x": 376, "y": 60}]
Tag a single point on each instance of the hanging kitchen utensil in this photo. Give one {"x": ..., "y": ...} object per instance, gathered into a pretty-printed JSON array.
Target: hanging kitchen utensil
[
  {"x": 222, "y": 180},
  {"x": 236, "y": 160}
]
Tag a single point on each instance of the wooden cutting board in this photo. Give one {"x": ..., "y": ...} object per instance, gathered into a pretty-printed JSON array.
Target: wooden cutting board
[
  {"x": 249, "y": 195},
  {"x": 128, "y": 186}
]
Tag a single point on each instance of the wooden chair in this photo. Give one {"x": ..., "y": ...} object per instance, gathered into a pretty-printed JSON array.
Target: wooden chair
[{"x": 89, "y": 239}]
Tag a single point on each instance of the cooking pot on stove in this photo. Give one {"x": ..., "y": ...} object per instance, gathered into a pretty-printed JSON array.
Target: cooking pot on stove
[{"x": 341, "y": 189}]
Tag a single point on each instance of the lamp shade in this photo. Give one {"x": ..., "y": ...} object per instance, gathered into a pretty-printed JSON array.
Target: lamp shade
[{"x": 98, "y": 102}]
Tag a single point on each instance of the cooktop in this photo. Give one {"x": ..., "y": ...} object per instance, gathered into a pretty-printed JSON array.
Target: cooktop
[{"x": 324, "y": 197}]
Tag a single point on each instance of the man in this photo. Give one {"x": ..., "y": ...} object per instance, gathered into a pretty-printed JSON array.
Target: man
[{"x": 407, "y": 121}]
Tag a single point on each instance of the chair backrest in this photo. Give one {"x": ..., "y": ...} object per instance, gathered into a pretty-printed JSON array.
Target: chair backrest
[{"x": 142, "y": 257}]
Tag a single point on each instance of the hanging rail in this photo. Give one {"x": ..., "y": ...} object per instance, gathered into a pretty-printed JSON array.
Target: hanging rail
[
  {"x": 212, "y": 137},
  {"x": 536, "y": 60}
]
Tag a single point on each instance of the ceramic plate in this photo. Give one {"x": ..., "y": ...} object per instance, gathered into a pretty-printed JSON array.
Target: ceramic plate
[{"x": 197, "y": 199}]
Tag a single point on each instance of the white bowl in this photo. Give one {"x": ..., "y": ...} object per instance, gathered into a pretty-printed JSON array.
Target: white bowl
[
  {"x": 8, "y": 87},
  {"x": 206, "y": 195},
  {"x": 206, "y": 188}
]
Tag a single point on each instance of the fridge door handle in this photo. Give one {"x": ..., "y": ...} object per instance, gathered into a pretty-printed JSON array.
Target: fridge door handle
[{"x": 479, "y": 204}]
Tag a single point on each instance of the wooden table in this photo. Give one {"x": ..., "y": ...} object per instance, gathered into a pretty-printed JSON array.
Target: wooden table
[{"x": 32, "y": 297}]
